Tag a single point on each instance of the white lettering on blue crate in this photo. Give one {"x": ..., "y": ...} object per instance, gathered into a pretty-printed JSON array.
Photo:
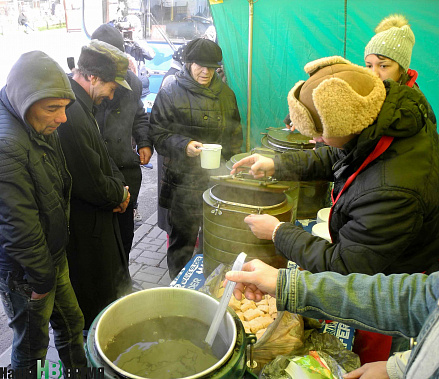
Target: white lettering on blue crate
[
  {"x": 343, "y": 332},
  {"x": 191, "y": 276}
]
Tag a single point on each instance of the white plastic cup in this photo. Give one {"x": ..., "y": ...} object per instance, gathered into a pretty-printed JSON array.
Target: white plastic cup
[
  {"x": 210, "y": 155},
  {"x": 323, "y": 215},
  {"x": 321, "y": 230}
]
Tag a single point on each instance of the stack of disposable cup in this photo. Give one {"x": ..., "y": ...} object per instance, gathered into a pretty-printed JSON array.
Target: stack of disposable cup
[{"x": 321, "y": 229}]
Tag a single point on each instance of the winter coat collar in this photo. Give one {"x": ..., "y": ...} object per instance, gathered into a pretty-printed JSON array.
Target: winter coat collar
[
  {"x": 185, "y": 79},
  {"x": 81, "y": 95},
  {"x": 402, "y": 115}
]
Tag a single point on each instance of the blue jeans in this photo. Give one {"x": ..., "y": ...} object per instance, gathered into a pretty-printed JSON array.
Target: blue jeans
[{"x": 29, "y": 319}]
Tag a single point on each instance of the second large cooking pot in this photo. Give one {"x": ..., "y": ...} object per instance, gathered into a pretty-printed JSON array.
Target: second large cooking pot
[
  {"x": 313, "y": 195},
  {"x": 225, "y": 234}
]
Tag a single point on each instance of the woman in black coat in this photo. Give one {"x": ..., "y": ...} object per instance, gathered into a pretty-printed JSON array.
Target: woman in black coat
[{"x": 195, "y": 108}]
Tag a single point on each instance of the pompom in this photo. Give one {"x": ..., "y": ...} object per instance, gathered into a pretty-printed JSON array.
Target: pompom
[{"x": 394, "y": 20}]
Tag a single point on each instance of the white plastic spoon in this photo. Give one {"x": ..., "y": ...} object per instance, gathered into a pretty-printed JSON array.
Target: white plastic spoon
[{"x": 222, "y": 306}]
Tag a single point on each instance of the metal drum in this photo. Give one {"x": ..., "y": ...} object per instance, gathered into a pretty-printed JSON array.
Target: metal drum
[
  {"x": 226, "y": 234},
  {"x": 315, "y": 194}
]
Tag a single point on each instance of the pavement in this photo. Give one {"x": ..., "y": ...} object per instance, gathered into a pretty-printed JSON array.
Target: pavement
[{"x": 148, "y": 266}]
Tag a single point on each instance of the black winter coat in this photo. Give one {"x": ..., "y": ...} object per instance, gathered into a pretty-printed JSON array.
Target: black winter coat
[
  {"x": 34, "y": 200},
  {"x": 388, "y": 219},
  {"x": 185, "y": 111},
  {"x": 97, "y": 263},
  {"x": 119, "y": 120}
]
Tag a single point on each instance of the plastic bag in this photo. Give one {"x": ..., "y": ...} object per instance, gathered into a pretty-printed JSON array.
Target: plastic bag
[
  {"x": 315, "y": 365},
  {"x": 337, "y": 358},
  {"x": 328, "y": 344},
  {"x": 283, "y": 336}
]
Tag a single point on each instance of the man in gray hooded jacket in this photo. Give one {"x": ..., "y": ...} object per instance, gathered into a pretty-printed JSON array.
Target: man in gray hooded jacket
[{"x": 34, "y": 209}]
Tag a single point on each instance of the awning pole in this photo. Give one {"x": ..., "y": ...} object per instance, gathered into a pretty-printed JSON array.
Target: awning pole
[{"x": 249, "y": 73}]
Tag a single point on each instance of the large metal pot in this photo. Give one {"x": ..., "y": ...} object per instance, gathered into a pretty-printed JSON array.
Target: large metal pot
[
  {"x": 313, "y": 195},
  {"x": 225, "y": 234},
  {"x": 148, "y": 304}
]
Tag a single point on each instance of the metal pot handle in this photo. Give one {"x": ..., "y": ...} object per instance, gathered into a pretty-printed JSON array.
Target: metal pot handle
[{"x": 251, "y": 340}]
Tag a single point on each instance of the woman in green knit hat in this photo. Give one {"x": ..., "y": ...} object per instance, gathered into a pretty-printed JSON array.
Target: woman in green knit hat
[{"x": 389, "y": 52}]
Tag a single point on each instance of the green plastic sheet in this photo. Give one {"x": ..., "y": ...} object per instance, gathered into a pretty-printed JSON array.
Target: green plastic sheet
[{"x": 287, "y": 34}]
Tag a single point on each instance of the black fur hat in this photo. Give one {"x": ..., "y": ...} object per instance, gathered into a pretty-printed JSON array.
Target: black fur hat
[{"x": 104, "y": 61}]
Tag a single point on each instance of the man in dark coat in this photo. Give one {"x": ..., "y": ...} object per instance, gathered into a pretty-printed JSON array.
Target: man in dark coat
[
  {"x": 34, "y": 210},
  {"x": 194, "y": 108},
  {"x": 383, "y": 157},
  {"x": 98, "y": 266},
  {"x": 120, "y": 120}
]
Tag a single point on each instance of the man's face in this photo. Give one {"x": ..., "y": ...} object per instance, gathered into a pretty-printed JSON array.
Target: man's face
[
  {"x": 100, "y": 90},
  {"x": 46, "y": 115},
  {"x": 202, "y": 75}
]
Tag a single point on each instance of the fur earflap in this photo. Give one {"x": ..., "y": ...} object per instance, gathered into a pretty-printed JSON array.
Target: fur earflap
[
  {"x": 394, "y": 20},
  {"x": 299, "y": 115},
  {"x": 342, "y": 110},
  {"x": 317, "y": 64}
]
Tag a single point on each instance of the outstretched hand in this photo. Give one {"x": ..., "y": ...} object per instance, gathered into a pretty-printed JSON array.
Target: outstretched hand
[
  {"x": 260, "y": 166},
  {"x": 254, "y": 281},
  {"x": 262, "y": 226}
]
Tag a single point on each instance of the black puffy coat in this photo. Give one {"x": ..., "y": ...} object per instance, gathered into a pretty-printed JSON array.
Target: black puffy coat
[
  {"x": 34, "y": 200},
  {"x": 185, "y": 111},
  {"x": 388, "y": 219},
  {"x": 34, "y": 182}
]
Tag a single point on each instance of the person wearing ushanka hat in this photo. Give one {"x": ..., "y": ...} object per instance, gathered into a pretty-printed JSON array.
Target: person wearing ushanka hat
[
  {"x": 122, "y": 120},
  {"x": 389, "y": 53},
  {"x": 194, "y": 108},
  {"x": 98, "y": 265},
  {"x": 383, "y": 157}
]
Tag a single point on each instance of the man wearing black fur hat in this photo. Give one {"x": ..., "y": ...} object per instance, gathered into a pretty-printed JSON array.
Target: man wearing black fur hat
[
  {"x": 98, "y": 266},
  {"x": 119, "y": 120}
]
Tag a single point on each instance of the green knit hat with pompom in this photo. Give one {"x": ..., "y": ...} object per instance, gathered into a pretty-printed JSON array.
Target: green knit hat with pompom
[{"x": 393, "y": 39}]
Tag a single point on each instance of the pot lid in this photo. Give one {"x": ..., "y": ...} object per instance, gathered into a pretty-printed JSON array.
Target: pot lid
[
  {"x": 285, "y": 138},
  {"x": 245, "y": 180},
  {"x": 270, "y": 145}
]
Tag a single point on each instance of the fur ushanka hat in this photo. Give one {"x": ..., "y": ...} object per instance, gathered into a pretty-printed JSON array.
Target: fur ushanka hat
[{"x": 338, "y": 99}]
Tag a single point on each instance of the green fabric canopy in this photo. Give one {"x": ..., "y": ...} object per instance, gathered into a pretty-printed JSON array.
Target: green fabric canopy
[{"x": 287, "y": 34}]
